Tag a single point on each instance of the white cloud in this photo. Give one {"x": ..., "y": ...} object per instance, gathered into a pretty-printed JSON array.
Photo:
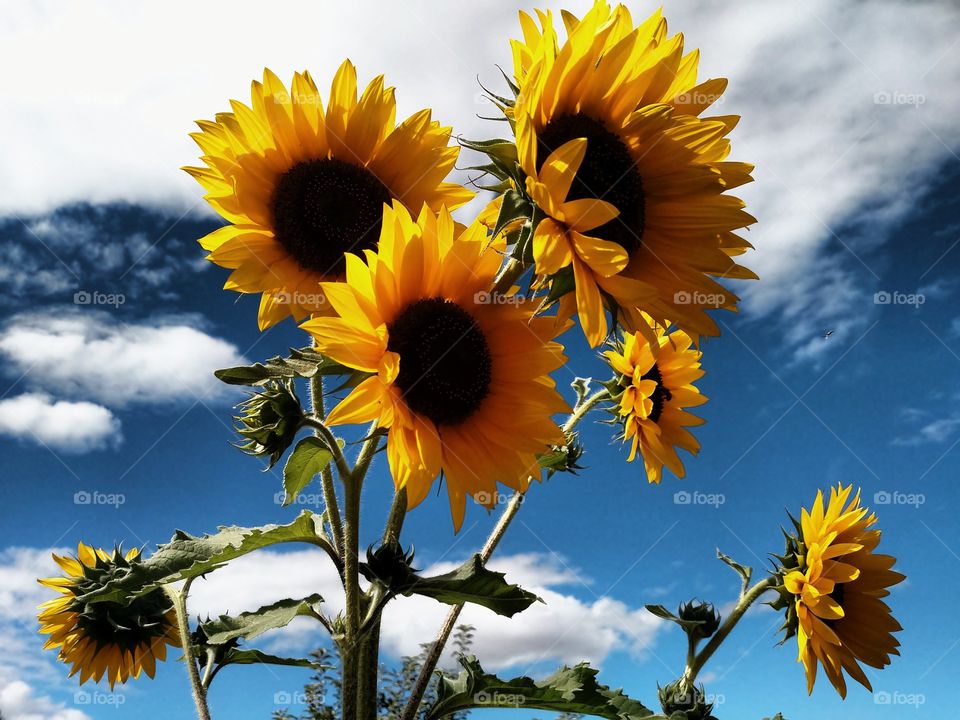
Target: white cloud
[
  {"x": 562, "y": 629},
  {"x": 19, "y": 701},
  {"x": 94, "y": 356},
  {"x": 932, "y": 432},
  {"x": 59, "y": 424}
]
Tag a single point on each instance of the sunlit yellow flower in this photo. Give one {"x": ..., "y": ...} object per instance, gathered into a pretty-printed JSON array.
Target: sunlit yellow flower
[
  {"x": 633, "y": 95},
  {"x": 105, "y": 639},
  {"x": 653, "y": 389},
  {"x": 460, "y": 376},
  {"x": 301, "y": 185},
  {"x": 837, "y": 588}
]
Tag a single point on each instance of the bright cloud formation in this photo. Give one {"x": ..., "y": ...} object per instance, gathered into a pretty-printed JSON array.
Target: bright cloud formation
[{"x": 58, "y": 424}]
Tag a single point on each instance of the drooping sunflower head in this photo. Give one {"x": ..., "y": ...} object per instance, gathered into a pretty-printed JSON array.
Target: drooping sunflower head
[
  {"x": 105, "y": 639},
  {"x": 832, "y": 585},
  {"x": 655, "y": 171},
  {"x": 459, "y": 375},
  {"x": 301, "y": 185},
  {"x": 652, "y": 389}
]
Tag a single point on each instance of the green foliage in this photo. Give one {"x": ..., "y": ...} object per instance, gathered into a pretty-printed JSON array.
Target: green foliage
[
  {"x": 308, "y": 458},
  {"x": 188, "y": 556},
  {"x": 303, "y": 363},
  {"x": 472, "y": 582},
  {"x": 249, "y": 625},
  {"x": 570, "y": 690}
]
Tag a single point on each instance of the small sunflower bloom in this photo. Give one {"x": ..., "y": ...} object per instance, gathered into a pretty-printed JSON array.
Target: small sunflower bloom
[
  {"x": 833, "y": 591},
  {"x": 105, "y": 640},
  {"x": 301, "y": 186},
  {"x": 632, "y": 93},
  {"x": 459, "y": 377},
  {"x": 652, "y": 390}
]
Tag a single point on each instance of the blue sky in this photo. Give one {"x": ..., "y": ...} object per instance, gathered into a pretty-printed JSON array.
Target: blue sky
[{"x": 852, "y": 128}]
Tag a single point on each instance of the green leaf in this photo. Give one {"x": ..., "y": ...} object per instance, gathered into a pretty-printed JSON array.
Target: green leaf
[
  {"x": 470, "y": 583},
  {"x": 188, "y": 556},
  {"x": 304, "y": 363},
  {"x": 570, "y": 690},
  {"x": 742, "y": 570},
  {"x": 249, "y": 656},
  {"x": 514, "y": 207},
  {"x": 249, "y": 625},
  {"x": 308, "y": 458}
]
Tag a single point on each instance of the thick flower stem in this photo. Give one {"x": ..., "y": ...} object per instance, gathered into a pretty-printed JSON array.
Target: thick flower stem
[
  {"x": 436, "y": 648},
  {"x": 179, "y": 600},
  {"x": 746, "y": 600},
  {"x": 350, "y": 647},
  {"x": 326, "y": 475}
]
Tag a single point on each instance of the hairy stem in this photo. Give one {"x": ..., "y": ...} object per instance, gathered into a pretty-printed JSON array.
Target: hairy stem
[
  {"x": 326, "y": 475},
  {"x": 746, "y": 600},
  {"x": 179, "y": 600},
  {"x": 349, "y": 648},
  {"x": 496, "y": 535}
]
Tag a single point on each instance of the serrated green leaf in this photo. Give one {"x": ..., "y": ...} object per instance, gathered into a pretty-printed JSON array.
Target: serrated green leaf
[
  {"x": 304, "y": 363},
  {"x": 308, "y": 458},
  {"x": 570, "y": 690},
  {"x": 249, "y": 656},
  {"x": 470, "y": 583},
  {"x": 188, "y": 556},
  {"x": 249, "y": 625}
]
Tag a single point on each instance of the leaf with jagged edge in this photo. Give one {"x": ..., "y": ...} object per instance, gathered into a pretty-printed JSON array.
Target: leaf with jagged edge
[
  {"x": 472, "y": 582},
  {"x": 570, "y": 689},
  {"x": 189, "y": 556},
  {"x": 250, "y": 656},
  {"x": 249, "y": 625},
  {"x": 304, "y": 363}
]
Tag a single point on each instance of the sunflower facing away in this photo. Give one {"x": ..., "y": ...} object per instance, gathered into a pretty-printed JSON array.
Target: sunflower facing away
[
  {"x": 653, "y": 390},
  {"x": 633, "y": 95},
  {"x": 835, "y": 594},
  {"x": 460, "y": 377},
  {"x": 105, "y": 639},
  {"x": 301, "y": 186}
]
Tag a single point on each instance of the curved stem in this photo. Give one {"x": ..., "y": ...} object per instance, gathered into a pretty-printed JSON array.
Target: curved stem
[
  {"x": 326, "y": 475},
  {"x": 746, "y": 600},
  {"x": 179, "y": 599},
  {"x": 496, "y": 535}
]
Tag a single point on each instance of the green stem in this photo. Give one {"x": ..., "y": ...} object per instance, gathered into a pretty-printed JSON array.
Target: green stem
[
  {"x": 493, "y": 540},
  {"x": 179, "y": 600},
  {"x": 746, "y": 600},
  {"x": 326, "y": 475},
  {"x": 348, "y": 650}
]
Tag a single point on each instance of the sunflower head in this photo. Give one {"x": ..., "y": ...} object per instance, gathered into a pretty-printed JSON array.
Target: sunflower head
[
  {"x": 269, "y": 421},
  {"x": 459, "y": 376},
  {"x": 651, "y": 389},
  {"x": 628, "y": 177},
  {"x": 301, "y": 185},
  {"x": 107, "y": 639},
  {"x": 832, "y": 585}
]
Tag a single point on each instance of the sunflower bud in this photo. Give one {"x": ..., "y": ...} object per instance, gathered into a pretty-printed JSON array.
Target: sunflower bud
[
  {"x": 679, "y": 701},
  {"x": 269, "y": 421},
  {"x": 703, "y": 618},
  {"x": 563, "y": 458}
]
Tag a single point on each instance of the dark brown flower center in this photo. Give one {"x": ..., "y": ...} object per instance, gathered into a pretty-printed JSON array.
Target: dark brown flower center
[
  {"x": 660, "y": 396},
  {"x": 608, "y": 172},
  {"x": 445, "y": 366},
  {"x": 325, "y": 208}
]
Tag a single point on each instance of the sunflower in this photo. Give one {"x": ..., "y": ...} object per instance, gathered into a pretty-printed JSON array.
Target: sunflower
[
  {"x": 105, "y": 639},
  {"x": 301, "y": 186},
  {"x": 653, "y": 388},
  {"x": 460, "y": 377},
  {"x": 836, "y": 611},
  {"x": 632, "y": 94}
]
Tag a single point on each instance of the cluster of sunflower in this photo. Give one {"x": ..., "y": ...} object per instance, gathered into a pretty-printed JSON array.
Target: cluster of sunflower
[{"x": 611, "y": 211}]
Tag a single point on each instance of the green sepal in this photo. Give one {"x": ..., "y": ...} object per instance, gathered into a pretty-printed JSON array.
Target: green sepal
[
  {"x": 570, "y": 690},
  {"x": 514, "y": 207}
]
